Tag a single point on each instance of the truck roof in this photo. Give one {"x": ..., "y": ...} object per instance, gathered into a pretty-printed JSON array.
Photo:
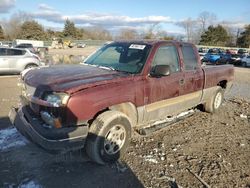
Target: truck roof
[{"x": 152, "y": 42}]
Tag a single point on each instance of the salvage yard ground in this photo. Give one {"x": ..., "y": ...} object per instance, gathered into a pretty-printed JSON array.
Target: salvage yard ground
[{"x": 214, "y": 147}]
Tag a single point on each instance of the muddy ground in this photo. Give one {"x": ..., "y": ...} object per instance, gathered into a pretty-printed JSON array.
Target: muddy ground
[{"x": 214, "y": 147}]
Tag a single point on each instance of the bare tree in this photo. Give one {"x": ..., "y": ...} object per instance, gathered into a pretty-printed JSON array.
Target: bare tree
[
  {"x": 189, "y": 26},
  {"x": 127, "y": 34},
  {"x": 13, "y": 26},
  {"x": 152, "y": 31},
  {"x": 233, "y": 32},
  {"x": 206, "y": 19},
  {"x": 98, "y": 33}
]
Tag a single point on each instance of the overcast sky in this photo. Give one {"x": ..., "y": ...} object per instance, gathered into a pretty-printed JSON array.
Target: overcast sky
[{"x": 115, "y": 14}]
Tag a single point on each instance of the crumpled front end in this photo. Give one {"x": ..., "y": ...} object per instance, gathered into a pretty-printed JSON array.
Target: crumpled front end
[{"x": 42, "y": 121}]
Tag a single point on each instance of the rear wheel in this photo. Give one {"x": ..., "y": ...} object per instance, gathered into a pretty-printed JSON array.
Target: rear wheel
[
  {"x": 214, "y": 103},
  {"x": 108, "y": 138}
]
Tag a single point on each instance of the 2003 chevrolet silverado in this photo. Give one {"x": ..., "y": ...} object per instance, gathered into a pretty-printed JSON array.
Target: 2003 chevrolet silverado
[{"x": 123, "y": 85}]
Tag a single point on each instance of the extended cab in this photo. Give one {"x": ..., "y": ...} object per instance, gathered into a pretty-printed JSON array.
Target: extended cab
[{"x": 122, "y": 86}]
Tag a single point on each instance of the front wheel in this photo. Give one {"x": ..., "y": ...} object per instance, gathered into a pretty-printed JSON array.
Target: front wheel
[
  {"x": 108, "y": 138},
  {"x": 215, "y": 101}
]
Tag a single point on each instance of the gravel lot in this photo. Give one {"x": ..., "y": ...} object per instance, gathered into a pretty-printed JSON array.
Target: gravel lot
[{"x": 214, "y": 147}]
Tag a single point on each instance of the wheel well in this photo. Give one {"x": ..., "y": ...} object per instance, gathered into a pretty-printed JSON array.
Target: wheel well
[
  {"x": 223, "y": 84},
  {"x": 96, "y": 115},
  {"x": 29, "y": 64},
  {"x": 127, "y": 108}
]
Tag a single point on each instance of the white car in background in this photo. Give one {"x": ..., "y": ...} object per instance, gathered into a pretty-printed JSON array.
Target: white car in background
[
  {"x": 245, "y": 61},
  {"x": 14, "y": 60}
]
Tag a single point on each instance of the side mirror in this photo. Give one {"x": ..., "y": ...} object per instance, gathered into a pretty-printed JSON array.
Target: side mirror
[{"x": 160, "y": 70}]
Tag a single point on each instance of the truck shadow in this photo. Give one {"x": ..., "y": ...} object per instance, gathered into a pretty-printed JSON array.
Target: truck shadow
[{"x": 24, "y": 165}]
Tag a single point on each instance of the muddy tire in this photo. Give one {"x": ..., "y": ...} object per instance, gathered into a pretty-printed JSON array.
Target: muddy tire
[
  {"x": 108, "y": 138},
  {"x": 214, "y": 103}
]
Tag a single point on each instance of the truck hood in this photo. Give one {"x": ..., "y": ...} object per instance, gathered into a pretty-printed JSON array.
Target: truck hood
[{"x": 70, "y": 78}]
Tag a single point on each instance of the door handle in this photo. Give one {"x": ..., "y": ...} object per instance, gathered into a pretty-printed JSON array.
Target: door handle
[{"x": 181, "y": 81}]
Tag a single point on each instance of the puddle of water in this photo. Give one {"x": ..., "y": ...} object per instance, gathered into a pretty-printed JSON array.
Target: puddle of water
[{"x": 62, "y": 59}]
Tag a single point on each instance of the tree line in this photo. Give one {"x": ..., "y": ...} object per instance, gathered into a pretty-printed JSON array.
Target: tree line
[
  {"x": 32, "y": 30},
  {"x": 199, "y": 31}
]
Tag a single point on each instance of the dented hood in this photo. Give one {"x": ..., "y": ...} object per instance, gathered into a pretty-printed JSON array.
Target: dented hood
[{"x": 70, "y": 78}]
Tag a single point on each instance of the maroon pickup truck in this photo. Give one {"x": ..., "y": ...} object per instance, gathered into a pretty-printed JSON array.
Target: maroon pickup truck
[{"x": 122, "y": 86}]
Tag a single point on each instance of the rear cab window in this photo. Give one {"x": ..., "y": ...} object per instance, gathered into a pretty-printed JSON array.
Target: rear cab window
[
  {"x": 189, "y": 57},
  {"x": 167, "y": 55}
]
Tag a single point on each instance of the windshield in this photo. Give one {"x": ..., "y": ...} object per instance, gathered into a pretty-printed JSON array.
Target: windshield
[{"x": 125, "y": 57}]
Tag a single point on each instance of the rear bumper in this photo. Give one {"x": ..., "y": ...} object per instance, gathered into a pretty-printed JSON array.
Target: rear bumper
[{"x": 51, "y": 139}]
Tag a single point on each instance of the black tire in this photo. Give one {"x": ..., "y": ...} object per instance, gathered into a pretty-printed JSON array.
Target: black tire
[
  {"x": 29, "y": 66},
  {"x": 244, "y": 64},
  {"x": 102, "y": 146},
  {"x": 215, "y": 101}
]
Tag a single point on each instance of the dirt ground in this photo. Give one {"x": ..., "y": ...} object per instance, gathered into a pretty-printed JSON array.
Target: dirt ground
[
  {"x": 215, "y": 147},
  {"x": 74, "y": 51}
]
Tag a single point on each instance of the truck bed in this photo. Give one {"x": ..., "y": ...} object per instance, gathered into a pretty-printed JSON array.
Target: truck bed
[{"x": 216, "y": 74}]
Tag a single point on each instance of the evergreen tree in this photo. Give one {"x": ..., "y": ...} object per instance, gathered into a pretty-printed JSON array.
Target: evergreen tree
[
  {"x": 32, "y": 30},
  {"x": 244, "y": 39},
  {"x": 1, "y": 33},
  {"x": 70, "y": 31},
  {"x": 215, "y": 36}
]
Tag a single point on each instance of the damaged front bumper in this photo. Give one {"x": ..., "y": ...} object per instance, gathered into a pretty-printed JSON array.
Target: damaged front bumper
[{"x": 52, "y": 140}]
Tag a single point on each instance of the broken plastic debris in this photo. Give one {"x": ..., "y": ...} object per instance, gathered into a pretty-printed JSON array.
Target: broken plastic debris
[
  {"x": 150, "y": 158},
  {"x": 243, "y": 116}
]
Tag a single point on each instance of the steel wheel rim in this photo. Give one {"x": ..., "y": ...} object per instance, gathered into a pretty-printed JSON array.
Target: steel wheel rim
[
  {"x": 114, "y": 139},
  {"x": 217, "y": 100}
]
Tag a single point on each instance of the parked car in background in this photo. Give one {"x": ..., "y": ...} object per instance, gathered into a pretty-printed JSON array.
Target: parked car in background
[
  {"x": 235, "y": 60},
  {"x": 243, "y": 52},
  {"x": 213, "y": 56},
  {"x": 27, "y": 46},
  {"x": 246, "y": 61},
  {"x": 202, "y": 52},
  {"x": 14, "y": 60},
  {"x": 231, "y": 51},
  {"x": 5, "y": 44},
  {"x": 81, "y": 45}
]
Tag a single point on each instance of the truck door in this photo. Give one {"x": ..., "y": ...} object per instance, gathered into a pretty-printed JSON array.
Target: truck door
[
  {"x": 162, "y": 92},
  {"x": 193, "y": 76}
]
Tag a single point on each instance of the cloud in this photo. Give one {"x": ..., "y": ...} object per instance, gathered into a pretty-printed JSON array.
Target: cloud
[
  {"x": 96, "y": 19},
  {"x": 6, "y": 5},
  {"x": 233, "y": 24},
  {"x": 45, "y": 7},
  {"x": 116, "y": 20}
]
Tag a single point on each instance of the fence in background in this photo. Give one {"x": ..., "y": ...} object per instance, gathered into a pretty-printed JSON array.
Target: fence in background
[
  {"x": 87, "y": 42},
  {"x": 102, "y": 42}
]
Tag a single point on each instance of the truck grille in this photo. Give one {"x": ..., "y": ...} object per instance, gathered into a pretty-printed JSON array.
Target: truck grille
[{"x": 28, "y": 92}]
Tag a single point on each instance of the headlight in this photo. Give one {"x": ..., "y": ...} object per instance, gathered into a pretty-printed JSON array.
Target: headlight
[{"x": 57, "y": 99}]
